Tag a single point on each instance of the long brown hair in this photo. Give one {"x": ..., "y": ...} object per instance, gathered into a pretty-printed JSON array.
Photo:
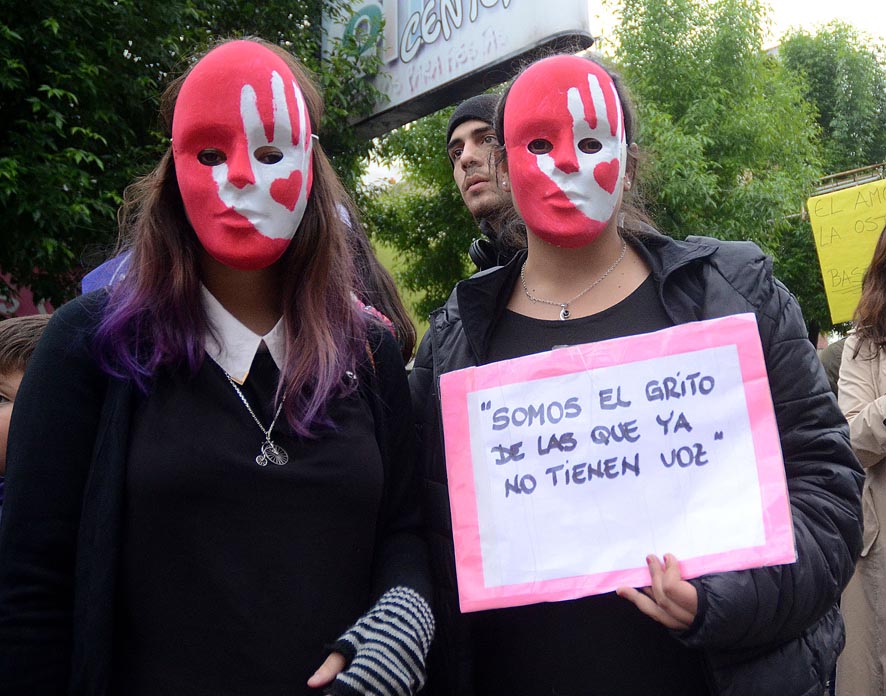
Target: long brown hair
[
  {"x": 155, "y": 317},
  {"x": 870, "y": 314},
  {"x": 377, "y": 287}
]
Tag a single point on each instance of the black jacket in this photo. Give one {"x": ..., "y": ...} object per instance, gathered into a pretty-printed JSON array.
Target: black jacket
[
  {"x": 61, "y": 533},
  {"x": 774, "y": 630}
]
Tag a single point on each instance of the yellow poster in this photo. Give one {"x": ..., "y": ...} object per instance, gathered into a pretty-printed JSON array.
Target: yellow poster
[{"x": 846, "y": 225}]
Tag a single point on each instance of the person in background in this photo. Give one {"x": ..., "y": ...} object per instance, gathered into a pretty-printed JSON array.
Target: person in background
[
  {"x": 211, "y": 480},
  {"x": 861, "y": 669},
  {"x": 831, "y": 356},
  {"x": 594, "y": 270},
  {"x": 378, "y": 291},
  {"x": 18, "y": 338},
  {"x": 470, "y": 144}
]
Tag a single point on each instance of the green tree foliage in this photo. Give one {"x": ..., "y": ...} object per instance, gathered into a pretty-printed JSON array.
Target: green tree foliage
[
  {"x": 423, "y": 217},
  {"x": 798, "y": 267},
  {"x": 79, "y": 85},
  {"x": 731, "y": 140},
  {"x": 730, "y": 137},
  {"x": 844, "y": 77}
]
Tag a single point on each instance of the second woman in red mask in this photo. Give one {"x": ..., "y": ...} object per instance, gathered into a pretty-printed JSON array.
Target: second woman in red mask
[{"x": 595, "y": 269}]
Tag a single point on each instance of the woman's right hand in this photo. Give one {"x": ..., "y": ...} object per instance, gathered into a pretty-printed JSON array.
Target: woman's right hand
[
  {"x": 332, "y": 666},
  {"x": 669, "y": 599}
]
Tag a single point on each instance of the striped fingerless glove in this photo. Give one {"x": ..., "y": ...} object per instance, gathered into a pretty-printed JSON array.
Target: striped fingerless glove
[{"x": 386, "y": 648}]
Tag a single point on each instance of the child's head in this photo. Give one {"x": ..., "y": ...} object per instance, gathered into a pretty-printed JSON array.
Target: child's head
[{"x": 18, "y": 338}]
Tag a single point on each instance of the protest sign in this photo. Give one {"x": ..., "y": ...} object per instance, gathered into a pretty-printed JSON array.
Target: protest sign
[
  {"x": 566, "y": 468},
  {"x": 846, "y": 225}
]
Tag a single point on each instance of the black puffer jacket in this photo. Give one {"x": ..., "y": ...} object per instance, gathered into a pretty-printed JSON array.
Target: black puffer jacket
[{"x": 773, "y": 630}]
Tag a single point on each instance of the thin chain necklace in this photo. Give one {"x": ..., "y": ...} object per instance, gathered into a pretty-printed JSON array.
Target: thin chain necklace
[
  {"x": 564, "y": 306},
  {"x": 270, "y": 451}
]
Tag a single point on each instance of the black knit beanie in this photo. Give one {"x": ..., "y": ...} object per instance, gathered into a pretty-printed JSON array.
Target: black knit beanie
[{"x": 481, "y": 108}]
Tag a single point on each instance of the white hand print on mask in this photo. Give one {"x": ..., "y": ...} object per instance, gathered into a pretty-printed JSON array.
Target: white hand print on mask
[
  {"x": 254, "y": 200},
  {"x": 581, "y": 186}
]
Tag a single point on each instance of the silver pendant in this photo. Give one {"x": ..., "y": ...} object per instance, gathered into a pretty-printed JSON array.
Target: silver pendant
[
  {"x": 564, "y": 313},
  {"x": 272, "y": 453}
]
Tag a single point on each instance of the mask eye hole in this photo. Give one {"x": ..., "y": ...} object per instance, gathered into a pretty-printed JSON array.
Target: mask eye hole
[
  {"x": 590, "y": 146},
  {"x": 211, "y": 157},
  {"x": 268, "y": 155},
  {"x": 540, "y": 146}
]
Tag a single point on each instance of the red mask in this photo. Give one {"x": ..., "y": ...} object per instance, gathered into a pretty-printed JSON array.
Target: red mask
[
  {"x": 565, "y": 142},
  {"x": 241, "y": 142}
]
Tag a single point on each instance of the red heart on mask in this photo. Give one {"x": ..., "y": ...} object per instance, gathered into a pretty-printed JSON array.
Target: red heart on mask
[
  {"x": 606, "y": 174},
  {"x": 286, "y": 191}
]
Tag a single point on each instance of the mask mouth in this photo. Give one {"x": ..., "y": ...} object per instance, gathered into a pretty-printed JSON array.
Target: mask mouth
[
  {"x": 583, "y": 193},
  {"x": 561, "y": 204},
  {"x": 576, "y": 196},
  {"x": 241, "y": 216}
]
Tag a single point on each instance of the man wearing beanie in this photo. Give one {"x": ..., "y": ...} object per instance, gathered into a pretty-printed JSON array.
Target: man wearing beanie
[{"x": 471, "y": 145}]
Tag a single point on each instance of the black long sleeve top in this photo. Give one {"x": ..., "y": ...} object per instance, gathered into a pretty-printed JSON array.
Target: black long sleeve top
[{"x": 108, "y": 543}]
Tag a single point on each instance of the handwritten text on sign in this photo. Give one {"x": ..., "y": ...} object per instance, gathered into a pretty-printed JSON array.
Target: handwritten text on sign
[
  {"x": 576, "y": 464},
  {"x": 846, "y": 225}
]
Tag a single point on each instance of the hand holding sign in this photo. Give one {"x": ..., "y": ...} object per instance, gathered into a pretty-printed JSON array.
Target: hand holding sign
[{"x": 670, "y": 600}]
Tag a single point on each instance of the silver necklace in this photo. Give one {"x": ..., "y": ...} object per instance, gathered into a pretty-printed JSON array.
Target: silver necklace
[
  {"x": 564, "y": 306},
  {"x": 270, "y": 451}
]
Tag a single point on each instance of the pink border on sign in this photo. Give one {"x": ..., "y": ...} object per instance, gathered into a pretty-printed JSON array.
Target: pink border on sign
[{"x": 738, "y": 330}]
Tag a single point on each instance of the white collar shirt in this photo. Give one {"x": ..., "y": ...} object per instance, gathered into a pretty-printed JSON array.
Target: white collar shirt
[{"x": 232, "y": 345}]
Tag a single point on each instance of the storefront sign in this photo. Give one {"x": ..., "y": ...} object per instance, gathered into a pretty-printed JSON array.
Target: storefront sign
[{"x": 436, "y": 52}]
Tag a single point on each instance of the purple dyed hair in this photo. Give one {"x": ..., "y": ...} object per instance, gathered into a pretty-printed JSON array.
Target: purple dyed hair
[{"x": 154, "y": 318}]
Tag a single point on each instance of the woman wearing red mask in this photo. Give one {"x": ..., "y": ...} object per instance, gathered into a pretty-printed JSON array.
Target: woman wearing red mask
[
  {"x": 210, "y": 473},
  {"x": 595, "y": 270}
]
